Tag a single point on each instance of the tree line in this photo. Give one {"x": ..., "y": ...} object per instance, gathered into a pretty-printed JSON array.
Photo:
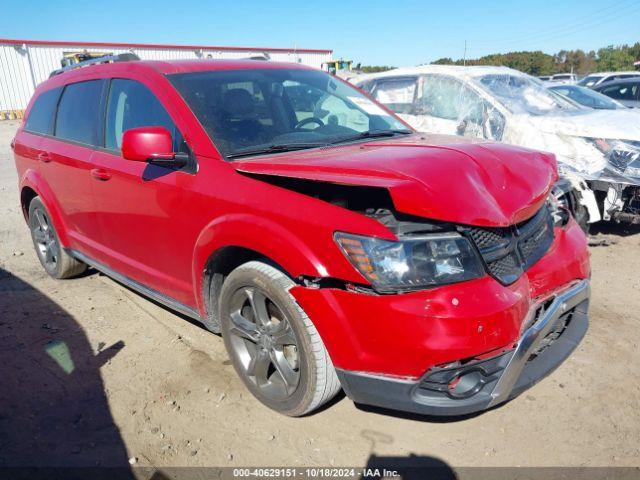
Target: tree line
[{"x": 611, "y": 58}]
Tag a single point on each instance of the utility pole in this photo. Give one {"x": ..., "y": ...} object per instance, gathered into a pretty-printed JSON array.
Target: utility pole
[{"x": 464, "y": 57}]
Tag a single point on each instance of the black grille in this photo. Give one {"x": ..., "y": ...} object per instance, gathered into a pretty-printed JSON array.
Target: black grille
[{"x": 509, "y": 251}]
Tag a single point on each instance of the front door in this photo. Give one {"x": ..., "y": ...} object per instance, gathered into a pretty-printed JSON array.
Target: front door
[{"x": 143, "y": 210}]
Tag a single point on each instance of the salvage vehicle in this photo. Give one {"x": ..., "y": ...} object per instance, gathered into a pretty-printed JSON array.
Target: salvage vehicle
[
  {"x": 598, "y": 151},
  {"x": 330, "y": 244},
  {"x": 587, "y": 97}
]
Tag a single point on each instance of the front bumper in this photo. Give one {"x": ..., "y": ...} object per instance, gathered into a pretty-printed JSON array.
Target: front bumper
[{"x": 557, "y": 324}]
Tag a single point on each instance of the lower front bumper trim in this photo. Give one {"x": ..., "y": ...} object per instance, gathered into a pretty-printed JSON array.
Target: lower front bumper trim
[{"x": 521, "y": 368}]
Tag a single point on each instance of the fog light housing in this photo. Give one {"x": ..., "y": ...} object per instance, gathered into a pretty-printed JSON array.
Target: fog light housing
[
  {"x": 463, "y": 379},
  {"x": 466, "y": 384}
]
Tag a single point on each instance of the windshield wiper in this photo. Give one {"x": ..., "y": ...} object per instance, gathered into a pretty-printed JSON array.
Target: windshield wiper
[
  {"x": 290, "y": 147},
  {"x": 373, "y": 134},
  {"x": 276, "y": 148}
]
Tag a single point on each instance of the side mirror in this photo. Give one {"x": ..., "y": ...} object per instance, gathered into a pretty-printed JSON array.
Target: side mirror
[{"x": 153, "y": 145}]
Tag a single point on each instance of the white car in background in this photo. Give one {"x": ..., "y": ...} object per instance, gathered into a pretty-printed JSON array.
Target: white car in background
[
  {"x": 563, "y": 79},
  {"x": 594, "y": 79},
  {"x": 598, "y": 151}
]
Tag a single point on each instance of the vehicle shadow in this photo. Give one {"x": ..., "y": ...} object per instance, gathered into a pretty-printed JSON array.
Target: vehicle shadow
[
  {"x": 54, "y": 412},
  {"x": 612, "y": 228},
  {"x": 417, "y": 416},
  {"x": 412, "y": 467}
]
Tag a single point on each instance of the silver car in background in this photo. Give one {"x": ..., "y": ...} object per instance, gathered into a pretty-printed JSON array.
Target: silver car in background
[{"x": 587, "y": 97}]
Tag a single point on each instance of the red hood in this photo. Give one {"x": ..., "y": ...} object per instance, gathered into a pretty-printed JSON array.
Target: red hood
[{"x": 438, "y": 177}]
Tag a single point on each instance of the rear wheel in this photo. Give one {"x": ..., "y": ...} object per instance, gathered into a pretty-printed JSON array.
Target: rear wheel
[
  {"x": 273, "y": 345},
  {"x": 56, "y": 262}
]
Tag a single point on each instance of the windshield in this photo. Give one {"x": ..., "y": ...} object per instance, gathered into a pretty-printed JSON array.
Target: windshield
[
  {"x": 588, "y": 98},
  {"x": 523, "y": 95},
  {"x": 589, "y": 80},
  {"x": 247, "y": 112}
]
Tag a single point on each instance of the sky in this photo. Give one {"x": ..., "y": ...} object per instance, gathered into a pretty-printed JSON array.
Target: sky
[{"x": 391, "y": 32}]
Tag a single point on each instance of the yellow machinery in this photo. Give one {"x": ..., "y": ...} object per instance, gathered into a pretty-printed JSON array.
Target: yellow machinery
[
  {"x": 336, "y": 65},
  {"x": 71, "y": 58}
]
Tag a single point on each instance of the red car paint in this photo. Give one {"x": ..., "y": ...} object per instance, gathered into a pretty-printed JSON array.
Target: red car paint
[
  {"x": 495, "y": 186},
  {"x": 160, "y": 232}
]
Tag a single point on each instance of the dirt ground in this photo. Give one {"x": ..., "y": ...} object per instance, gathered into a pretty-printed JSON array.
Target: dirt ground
[{"x": 134, "y": 380}]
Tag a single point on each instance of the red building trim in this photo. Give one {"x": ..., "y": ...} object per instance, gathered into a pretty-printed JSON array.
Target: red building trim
[{"x": 58, "y": 43}]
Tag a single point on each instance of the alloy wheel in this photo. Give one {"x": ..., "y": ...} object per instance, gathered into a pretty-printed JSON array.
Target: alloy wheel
[
  {"x": 263, "y": 340},
  {"x": 45, "y": 239}
]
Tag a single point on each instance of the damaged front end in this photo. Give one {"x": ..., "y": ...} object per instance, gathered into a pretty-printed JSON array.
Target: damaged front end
[
  {"x": 603, "y": 175},
  {"x": 618, "y": 186}
]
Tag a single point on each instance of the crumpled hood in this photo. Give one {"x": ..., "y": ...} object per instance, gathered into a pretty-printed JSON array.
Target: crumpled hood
[
  {"x": 609, "y": 124},
  {"x": 438, "y": 177}
]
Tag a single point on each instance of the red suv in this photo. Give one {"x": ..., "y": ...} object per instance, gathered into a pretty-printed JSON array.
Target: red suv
[{"x": 331, "y": 245}]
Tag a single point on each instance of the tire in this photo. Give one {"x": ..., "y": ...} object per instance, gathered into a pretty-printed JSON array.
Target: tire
[
  {"x": 54, "y": 259},
  {"x": 579, "y": 212},
  {"x": 273, "y": 345}
]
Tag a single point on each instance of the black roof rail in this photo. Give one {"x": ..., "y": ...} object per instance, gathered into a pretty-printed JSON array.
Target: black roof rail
[{"x": 121, "y": 57}]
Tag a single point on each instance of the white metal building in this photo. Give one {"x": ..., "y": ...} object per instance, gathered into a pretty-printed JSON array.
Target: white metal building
[{"x": 26, "y": 63}]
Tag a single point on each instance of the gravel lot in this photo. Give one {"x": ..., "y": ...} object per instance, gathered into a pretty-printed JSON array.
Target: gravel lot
[{"x": 134, "y": 380}]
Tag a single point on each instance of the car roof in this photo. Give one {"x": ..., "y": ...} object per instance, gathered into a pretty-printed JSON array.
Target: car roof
[
  {"x": 608, "y": 74},
  {"x": 620, "y": 81},
  {"x": 167, "y": 67},
  {"x": 454, "y": 70}
]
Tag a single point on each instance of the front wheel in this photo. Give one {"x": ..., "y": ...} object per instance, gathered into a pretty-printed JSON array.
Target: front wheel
[{"x": 273, "y": 345}]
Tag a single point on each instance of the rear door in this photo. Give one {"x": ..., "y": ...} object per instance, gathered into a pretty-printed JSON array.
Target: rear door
[
  {"x": 38, "y": 124},
  {"x": 147, "y": 233},
  {"x": 65, "y": 159}
]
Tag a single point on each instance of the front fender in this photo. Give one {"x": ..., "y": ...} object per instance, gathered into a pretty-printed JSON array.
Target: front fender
[
  {"x": 279, "y": 244},
  {"x": 32, "y": 179}
]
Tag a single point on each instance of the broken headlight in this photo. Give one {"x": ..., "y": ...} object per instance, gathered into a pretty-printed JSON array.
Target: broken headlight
[
  {"x": 412, "y": 262},
  {"x": 620, "y": 154}
]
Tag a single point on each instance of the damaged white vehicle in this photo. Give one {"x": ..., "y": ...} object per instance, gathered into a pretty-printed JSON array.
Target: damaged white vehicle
[{"x": 598, "y": 151}]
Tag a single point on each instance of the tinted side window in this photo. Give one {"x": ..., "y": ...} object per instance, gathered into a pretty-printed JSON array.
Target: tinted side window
[
  {"x": 42, "y": 114},
  {"x": 132, "y": 105},
  {"x": 619, "y": 92},
  {"x": 77, "y": 118}
]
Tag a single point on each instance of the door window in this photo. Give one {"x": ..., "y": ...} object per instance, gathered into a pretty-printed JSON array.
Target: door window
[
  {"x": 397, "y": 94},
  {"x": 42, "y": 114},
  {"x": 625, "y": 91},
  {"x": 447, "y": 98},
  {"x": 132, "y": 105},
  {"x": 77, "y": 117}
]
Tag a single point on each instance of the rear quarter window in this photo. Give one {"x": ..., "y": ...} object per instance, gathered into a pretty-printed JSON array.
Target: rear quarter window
[
  {"x": 77, "y": 118},
  {"x": 42, "y": 115}
]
